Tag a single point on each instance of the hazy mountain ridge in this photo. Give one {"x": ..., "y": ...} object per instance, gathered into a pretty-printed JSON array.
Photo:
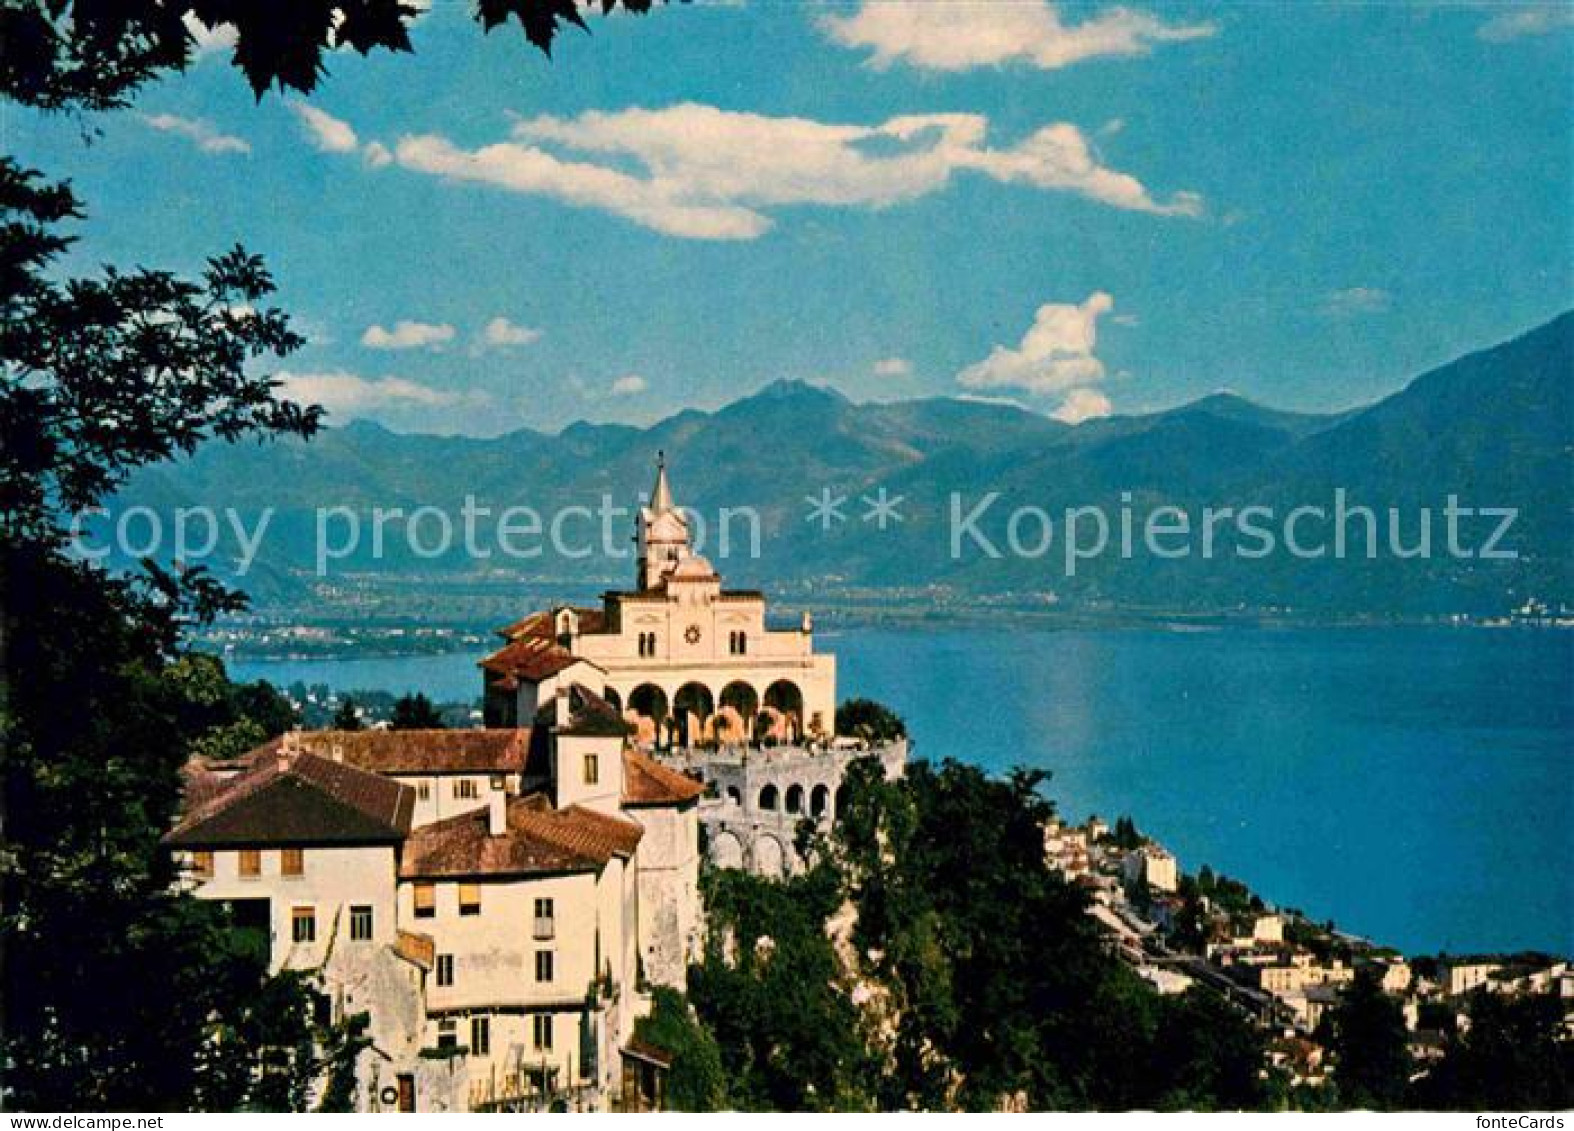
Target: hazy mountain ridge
[{"x": 1495, "y": 427}]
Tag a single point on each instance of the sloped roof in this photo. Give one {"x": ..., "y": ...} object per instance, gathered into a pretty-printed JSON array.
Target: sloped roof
[
  {"x": 646, "y": 782},
  {"x": 538, "y": 839},
  {"x": 591, "y": 716},
  {"x": 297, "y": 799},
  {"x": 493, "y": 751},
  {"x": 540, "y": 623},
  {"x": 531, "y": 658}
]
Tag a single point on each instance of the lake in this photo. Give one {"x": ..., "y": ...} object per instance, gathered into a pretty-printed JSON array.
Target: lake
[{"x": 1416, "y": 785}]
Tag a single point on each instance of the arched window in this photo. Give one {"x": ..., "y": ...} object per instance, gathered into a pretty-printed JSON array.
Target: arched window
[
  {"x": 738, "y": 643},
  {"x": 795, "y": 798},
  {"x": 768, "y": 799}
]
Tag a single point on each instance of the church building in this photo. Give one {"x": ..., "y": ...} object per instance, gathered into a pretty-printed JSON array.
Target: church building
[{"x": 688, "y": 661}]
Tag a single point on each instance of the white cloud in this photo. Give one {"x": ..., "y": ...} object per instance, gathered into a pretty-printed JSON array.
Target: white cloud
[
  {"x": 349, "y": 394},
  {"x": 958, "y": 35},
  {"x": 630, "y": 385},
  {"x": 1353, "y": 302},
  {"x": 700, "y": 172},
  {"x": 203, "y": 134},
  {"x": 893, "y": 367},
  {"x": 1054, "y": 355},
  {"x": 407, "y": 335},
  {"x": 1519, "y": 22},
  {"x": 500, "y": 333},
  {"x": 1082, "y": 404},
  {"x": 326, "y": 132},
  {"x": 377, "y": 155}
]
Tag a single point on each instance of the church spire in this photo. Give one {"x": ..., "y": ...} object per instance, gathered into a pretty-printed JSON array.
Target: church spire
[
  {"x": 661, "y": 493},
  {"x": 663, "y": 532}
]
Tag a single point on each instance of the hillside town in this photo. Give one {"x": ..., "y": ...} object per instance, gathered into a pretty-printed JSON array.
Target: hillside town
[{"x": 1287, "y": 971}]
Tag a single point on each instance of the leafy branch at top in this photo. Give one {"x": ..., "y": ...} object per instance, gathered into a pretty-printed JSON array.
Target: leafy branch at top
[{"x": 93, "y": 54}]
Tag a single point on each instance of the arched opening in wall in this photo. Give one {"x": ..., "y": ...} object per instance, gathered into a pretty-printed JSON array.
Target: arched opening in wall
[
  {"x": 726, "y": 850},
  {"x": 786, "y": 700},
  {"x": 740, "y": 703},
  {"x": 770, "y": 859},
  {"x": 692, "y": 708},
  {"x": 819, "y": 800},
  {"x": 795, "y": 799},
  {"x": 735, "y": 795},
  {"x": 769, "y": 798},
  {"x": 648, "y": 704}
]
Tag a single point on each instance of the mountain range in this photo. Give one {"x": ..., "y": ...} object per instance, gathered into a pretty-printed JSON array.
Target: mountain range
[{"x": 1494, "y": 428}]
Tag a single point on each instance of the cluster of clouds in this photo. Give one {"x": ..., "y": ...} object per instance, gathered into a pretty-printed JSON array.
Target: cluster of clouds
[
  {"x": 349, "y": 394},
  {"x": 1054, "y": 357},
  {"x": 960, "y": 35},
  {"x": 1356, "y": 302},
  {"x": 702, "y": 172},
  {"x": 412, "y": 334},
  {"x": 1520, "y": 21},
  {"x": 199, "y": 131},
  {"x": 697, "y": 171}
]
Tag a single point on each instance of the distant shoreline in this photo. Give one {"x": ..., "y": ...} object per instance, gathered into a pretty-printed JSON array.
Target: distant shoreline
[{"x": 832, "y": 618}]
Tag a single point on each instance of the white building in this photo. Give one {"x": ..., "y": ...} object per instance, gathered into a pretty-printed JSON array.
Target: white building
[
  {"x": 1154, "y": 866},
  {"x": 688, "y": 661},
  {"x": 498, "y": 927}
]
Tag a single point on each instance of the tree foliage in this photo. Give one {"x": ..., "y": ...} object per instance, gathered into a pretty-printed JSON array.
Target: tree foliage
[
  {"x": 696, "y": 1081},
  {"x": 869, "y": 720},
  {"x": 1366, "y": 1034},
  {"x": 347, "y": 717},
  {"x": 119, "y": 992},
  {"x": 1514, "y": 1056},
  {"x": 995, "y": 989},
  {"x": 415, "y": 712},
  {"x": 105, "y": 375},
  {"x": 92, "y": 55},
  {"x": 771, "y": 993}
]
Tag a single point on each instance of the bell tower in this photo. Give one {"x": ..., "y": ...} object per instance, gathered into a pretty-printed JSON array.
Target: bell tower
[{"x": 662, "y": 535}]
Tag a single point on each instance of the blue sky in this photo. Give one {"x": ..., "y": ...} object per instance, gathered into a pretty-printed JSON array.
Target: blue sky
[{"x": 1083, "y": 209}]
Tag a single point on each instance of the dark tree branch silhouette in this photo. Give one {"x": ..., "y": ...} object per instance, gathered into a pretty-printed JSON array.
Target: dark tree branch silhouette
[{"x": 95, "y": 54}]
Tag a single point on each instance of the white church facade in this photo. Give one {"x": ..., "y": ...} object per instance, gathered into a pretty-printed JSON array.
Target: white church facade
[{"x": 689, "y": 662}]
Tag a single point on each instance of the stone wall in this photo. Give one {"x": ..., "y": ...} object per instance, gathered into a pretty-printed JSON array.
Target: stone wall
[{"x": 756, "y": 797}]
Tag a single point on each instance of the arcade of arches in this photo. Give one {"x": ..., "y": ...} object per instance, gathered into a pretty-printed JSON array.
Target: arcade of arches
[{"x": 735, "y": 714}]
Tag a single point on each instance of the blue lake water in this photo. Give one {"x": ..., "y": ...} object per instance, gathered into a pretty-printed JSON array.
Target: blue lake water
[{"x": 1415, "y": 785}]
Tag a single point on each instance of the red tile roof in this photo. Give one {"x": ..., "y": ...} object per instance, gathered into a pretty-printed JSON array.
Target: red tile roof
[
  {"x": 592, "y": 716},
  {"x": 540, "y": 623},
  {"x": 531, "y": 658},
  {"x": 538, "y": 839},
  {"x": 647, "y": 782},
  {"x": 296, "y": 799},
  {"x": 494, "y": 751}
]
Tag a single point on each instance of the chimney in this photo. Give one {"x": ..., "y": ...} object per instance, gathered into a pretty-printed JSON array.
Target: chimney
[
  {"x": 288, "y": 747},
  {"x": 496, "y": 813}
]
